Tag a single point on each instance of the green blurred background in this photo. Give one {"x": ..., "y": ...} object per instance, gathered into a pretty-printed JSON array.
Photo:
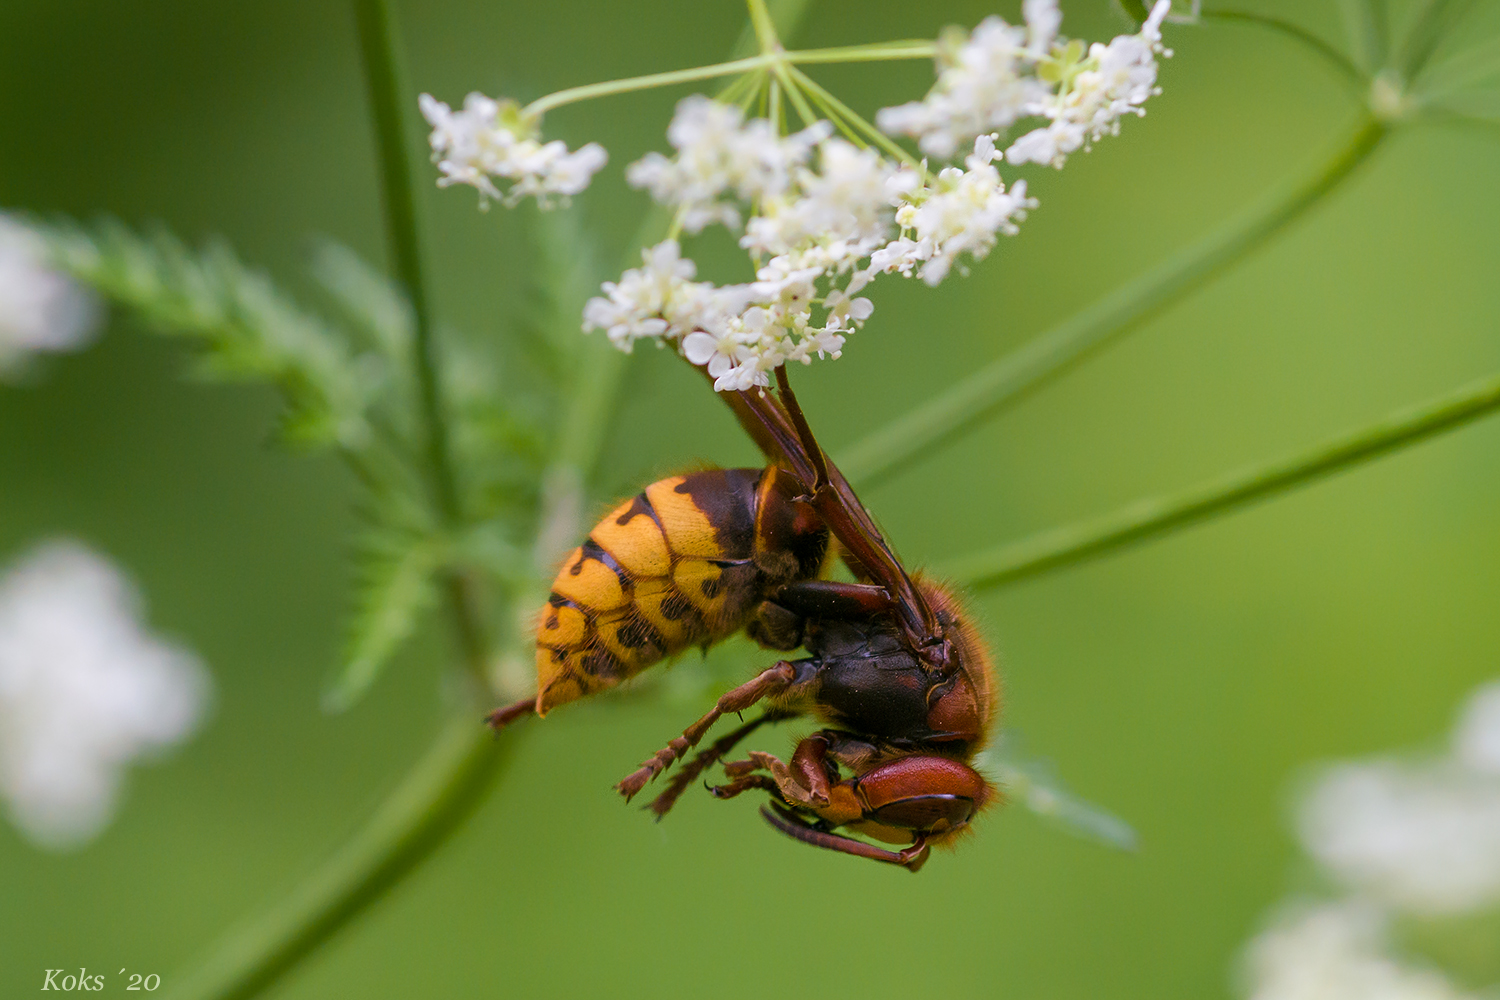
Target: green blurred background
[{"x": 1181, "y": 684}]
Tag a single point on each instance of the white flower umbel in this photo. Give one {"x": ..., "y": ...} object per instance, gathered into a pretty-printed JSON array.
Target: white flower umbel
[
  {"x": 1001, "y": 74},
  {"x": 84, "y": 690},
  {"x": 823, "y": 215},
  {"x": 1335, "y": 951},
  {"x": 490, "y": 139},
  {"x": 959, "y": 212},
  {"x": 1420, "y": 836},
  {"x": 718, "y": 154},
  {"x": 41, "y": 310},
  {"x": 829, "y": 217}
]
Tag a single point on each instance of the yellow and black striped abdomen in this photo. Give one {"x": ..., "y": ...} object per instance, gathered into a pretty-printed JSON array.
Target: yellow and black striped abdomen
[{"x": 682, "y": 563}]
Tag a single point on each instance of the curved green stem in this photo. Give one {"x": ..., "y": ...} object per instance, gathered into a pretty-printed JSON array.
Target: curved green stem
[
  {"x": 1331, "y": 55},
  {"x": 1435, "y": 23},
  {"x": 432, "y": 801},
  {"x": 961, "y": 406},
  {"x": 1365, "y": 23},
  {"x": 879, "y": 138},
  {"x": 1150, "y": 518}
]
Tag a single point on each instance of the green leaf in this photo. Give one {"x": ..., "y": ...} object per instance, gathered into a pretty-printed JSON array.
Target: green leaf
[
  {"x": 1134, "y": 9},
  {"x": 397, "y": 588},
  {"x": 246, "y": 328},
  {"x": 369, "y": 300}
]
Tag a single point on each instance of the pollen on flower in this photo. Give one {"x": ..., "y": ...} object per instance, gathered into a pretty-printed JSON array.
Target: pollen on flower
[
  {"x": 1002, "y": 73},
  {"x": 41, "y": 310},
  {"x": 490, "y": 139},
  {"x": 84, "y": 690}
]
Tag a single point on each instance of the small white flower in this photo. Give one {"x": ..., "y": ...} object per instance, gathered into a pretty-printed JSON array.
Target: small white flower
[
  {"x": 984, "y": 83},
  {"x": 489, "y": 139},
  {"x": 1476, "y": 740},
  {"x": 1042, "y": 21},
  {"x": 84, "y": 690},
  {"x": 965, "y": 211},
  {"x": 635, "y": 304},
  {"x": 716, "y": 353},
  {"x": 1335, "y": 951},
  {"x": 1420, "y": 836},
  {"x": 1001, "y": 74},
  {"x": 719, "y": 153},
  {"x": 41, "y": 310},
  {"x": 1114, "y": 80},
  {"x": 743, "y": 377}
]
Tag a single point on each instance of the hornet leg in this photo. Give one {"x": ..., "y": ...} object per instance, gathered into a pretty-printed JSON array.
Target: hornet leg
[
  {"x": 706, "y": 759},
  {"x": 768, "y": 682},
  {"x": 502, "y": 717},
  {"x": 911, "y": 858}
]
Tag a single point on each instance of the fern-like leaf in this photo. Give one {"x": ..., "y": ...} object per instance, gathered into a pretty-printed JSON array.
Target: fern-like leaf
[
  {"x": 396, "y": 589},
  {"x": 245, "y": 326}
]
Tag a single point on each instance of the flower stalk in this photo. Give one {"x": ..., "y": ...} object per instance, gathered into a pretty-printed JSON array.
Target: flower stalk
[
  {"x": 1002, "y": 383},
  {"x": 765, "y": 61},
  {"x": 1145, "y": 519}
]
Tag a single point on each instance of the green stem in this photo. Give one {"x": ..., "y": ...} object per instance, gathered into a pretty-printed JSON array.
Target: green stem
[
  {"x": 1366, "y": 28},
  {"x": 388, "y": 94},
  {"x": 876, "y": 136},
  {"x": 1145, "y": 519},
  {"x": 765, "y": 28},
  {"x": 1434, "y": 24},
  {"x": 1331, "y": 55},
  {"x": 881, "y": 52},
  {"x": 430, "y": 803},
  {"x": 794, "y": 95},
  {"x": 765, "y": 60},
  {"x": 1006, "y": 380}
]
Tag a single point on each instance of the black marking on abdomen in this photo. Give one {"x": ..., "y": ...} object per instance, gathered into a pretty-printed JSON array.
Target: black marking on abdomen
[
  {"x": 674, "y": 607},
  {"x": 638, "y": 634},
  {"x": 592, "y": 550},
  {"x": 557, "y": 600},
  {"x": 727, "y": 499},
  {"x": 641, "y": 504}
]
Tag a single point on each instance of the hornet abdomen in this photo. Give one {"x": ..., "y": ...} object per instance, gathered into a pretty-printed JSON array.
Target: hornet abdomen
[{"x": 686, "y": 562}]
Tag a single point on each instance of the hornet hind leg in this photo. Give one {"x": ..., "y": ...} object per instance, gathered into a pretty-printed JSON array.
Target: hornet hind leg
[
  {"x": 767, "y": 683},
  {"x": 505, "y": 715},
  {"x": 664, "y": 802}
]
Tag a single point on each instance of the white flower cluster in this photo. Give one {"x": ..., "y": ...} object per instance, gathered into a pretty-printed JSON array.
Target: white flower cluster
[
  {"x": 830, "y": 217},
  {"x": 1419, "y": 836},
  {"x": 83, "y": 690},
  {"x": 1336, "y": 951},
  {"x": 1405, "y": 836},
  {"x": 492, "y": 139},
  {"x": 822, "y": 216},
  {"x": 40, "y": 308},
  {"x": 1002, "y": 73}
]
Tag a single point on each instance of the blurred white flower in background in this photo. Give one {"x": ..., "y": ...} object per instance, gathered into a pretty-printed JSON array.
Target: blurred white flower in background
[
  {"x": 1476, "y": 740},
  {"x": 1418, "y": 837},
  {"x": 84, "y": 690},
  {"x": 1413, "y": 837},
  {"x": 41, "y": 310},
  {"x": 1335, "y": 951}
]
